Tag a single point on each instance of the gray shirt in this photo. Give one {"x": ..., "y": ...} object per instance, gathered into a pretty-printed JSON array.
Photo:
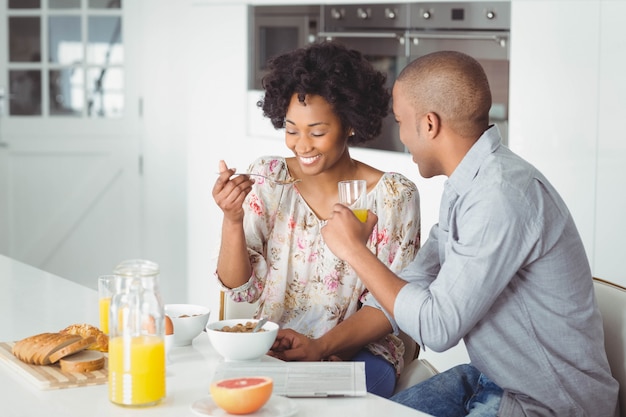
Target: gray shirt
[{"x": 505, "y": 270}]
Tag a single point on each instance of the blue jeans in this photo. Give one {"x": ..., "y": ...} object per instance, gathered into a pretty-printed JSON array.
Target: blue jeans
[
  {"x": 460, "y": 391},
  {"x": 380, "y": 375}
]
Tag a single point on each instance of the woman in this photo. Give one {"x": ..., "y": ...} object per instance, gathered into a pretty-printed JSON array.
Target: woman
[{"x": 326, "y": 97}]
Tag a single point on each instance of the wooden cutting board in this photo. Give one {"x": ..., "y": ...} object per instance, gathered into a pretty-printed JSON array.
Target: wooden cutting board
[{"x": 50, "y": 376}]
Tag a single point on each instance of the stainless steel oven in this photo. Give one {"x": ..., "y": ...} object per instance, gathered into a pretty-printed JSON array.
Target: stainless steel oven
[
  {"x": 391, "y": 35},
  {"x": 274, "y": 30}
]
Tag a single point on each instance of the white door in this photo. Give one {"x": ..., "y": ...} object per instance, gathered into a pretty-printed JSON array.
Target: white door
[{"x": 70, "y": 160}]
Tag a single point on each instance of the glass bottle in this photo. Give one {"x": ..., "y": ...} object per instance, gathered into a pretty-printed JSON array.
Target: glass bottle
[{"x": 137, "y": 336}]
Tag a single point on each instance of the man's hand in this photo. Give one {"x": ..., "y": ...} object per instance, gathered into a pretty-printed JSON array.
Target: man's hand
[
  {"x": 346, "y": 237},
  {"x": 344, "y": 233}
]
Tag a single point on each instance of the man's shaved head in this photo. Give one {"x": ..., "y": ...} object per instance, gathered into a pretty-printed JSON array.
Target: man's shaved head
[{"x": 452, "y": 85}]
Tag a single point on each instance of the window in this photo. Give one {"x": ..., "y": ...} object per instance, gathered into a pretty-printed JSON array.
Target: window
[{"x": 66, "y": 58}]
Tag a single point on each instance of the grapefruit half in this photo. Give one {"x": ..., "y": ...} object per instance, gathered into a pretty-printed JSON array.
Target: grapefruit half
[{"x": 242, "y": 395}]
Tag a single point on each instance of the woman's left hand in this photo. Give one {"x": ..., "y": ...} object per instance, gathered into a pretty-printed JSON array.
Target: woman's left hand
[{"x": 293, "y": 346}]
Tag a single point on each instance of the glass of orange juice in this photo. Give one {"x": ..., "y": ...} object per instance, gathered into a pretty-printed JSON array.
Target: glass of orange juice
[
  {"x": 105, "y": 291},
  {"x": 353, "y": 193}
]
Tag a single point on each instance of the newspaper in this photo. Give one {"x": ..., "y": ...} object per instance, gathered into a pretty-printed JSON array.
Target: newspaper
[{"x": 302, "y": 379}]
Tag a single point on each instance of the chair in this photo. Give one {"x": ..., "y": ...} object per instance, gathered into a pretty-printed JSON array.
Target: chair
[
  {"x": 232, "y": 310},
  {"x": 415, "y": 370},
  {"x": 612, "y": 302}
]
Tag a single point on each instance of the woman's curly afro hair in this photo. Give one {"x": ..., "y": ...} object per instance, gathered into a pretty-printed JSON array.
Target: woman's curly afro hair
[{"x": 343, "y": 77}]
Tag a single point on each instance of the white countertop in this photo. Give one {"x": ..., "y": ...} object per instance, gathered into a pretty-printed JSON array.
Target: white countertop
[{"x": 33, "y": 301}]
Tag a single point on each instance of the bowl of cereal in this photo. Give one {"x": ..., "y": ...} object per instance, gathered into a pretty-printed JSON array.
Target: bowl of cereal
[
  {"x": 188, "y": 321},
  {"x": 235, "y": 340}
]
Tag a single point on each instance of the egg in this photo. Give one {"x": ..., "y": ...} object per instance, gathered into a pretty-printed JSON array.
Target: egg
[
  {"x": 169, "y": 326},
  {"x": 148, "y": 326}
]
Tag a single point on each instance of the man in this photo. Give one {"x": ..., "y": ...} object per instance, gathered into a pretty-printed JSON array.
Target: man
[{"x": 504, "y": 269}]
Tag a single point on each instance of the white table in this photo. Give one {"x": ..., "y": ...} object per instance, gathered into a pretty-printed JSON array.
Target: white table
[{"x": 33, "y": 301}]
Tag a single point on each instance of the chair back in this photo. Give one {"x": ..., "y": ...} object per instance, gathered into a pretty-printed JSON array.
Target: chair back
[
  {"x": 232, "y": 310},
  {"x": 612, "y": 303}
]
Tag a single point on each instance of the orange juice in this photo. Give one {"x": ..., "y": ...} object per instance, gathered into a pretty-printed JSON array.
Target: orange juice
[
  {"x": 104, "y": 303},
  {"x": 136, "y": 370},
  {"x": 361, "y": 214}
]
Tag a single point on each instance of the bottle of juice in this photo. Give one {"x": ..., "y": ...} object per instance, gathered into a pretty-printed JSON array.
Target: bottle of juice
[{"x": 136, "y": 336}]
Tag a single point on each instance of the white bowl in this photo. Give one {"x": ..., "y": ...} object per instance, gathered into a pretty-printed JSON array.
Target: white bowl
[
  {"x": 241, "y": 346},
  {"x": 188, "y": 319}
]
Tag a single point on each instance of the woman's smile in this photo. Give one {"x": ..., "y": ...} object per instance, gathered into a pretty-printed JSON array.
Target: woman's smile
[{"x": 309, "y": 160}]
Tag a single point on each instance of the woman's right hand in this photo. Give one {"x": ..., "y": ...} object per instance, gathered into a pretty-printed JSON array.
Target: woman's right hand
[{"x": 229, "y": 193}]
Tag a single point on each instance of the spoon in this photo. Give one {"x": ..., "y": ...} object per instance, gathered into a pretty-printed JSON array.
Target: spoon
[
  {"x": 288, "y": 181},
  {"x": 259, "y": 324}
]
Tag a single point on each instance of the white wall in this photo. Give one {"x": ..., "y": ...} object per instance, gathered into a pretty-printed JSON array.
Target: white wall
[
  {"x": 553, "y": 104},
  {"x": 164, "y": 146},
  {"x": 215, "y": 89},
  {"x": 610, "y": 226}
]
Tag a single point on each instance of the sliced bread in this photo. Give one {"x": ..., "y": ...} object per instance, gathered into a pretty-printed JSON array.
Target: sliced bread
[
  {"x": 58, "y": 341},
  {"x": 74, "y": 347},
  {"x": 26, "y": 348},
  {"x": 83, "y": 361}
]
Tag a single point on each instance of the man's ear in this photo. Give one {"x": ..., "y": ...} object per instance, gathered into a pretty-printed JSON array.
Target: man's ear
[{"x": 434, "y": 123}]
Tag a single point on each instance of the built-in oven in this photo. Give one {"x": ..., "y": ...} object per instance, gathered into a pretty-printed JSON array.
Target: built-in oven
[
  {"x": 274, "y": 30},
  {"x": 391, "y": 35}
]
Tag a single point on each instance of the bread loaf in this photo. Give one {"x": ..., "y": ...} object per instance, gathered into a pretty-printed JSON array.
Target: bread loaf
[
  {"x": 86, "y": 330},
  {"x": 38, "y": 349},
  {"x": 47, "y": 348},
  {"x": 83, "y": 361}
]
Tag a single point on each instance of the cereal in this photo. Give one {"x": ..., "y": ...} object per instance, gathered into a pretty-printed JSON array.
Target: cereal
[{"x": 240, "y": 328}]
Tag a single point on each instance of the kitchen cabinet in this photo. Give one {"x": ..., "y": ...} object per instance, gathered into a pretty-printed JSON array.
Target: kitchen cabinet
[
  {"x": 548, "y": 126},
  {"x": 610, "y": 219},
  {"x": 567, "y": 102}
]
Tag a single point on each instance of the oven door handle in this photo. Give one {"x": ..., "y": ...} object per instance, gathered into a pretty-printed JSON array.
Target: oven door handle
[
  {"x": 501, "y": 40},
  {"x": 385, "y": 35}
]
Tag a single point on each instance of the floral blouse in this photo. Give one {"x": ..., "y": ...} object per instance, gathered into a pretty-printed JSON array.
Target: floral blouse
[{"x": 298, "y": 282}]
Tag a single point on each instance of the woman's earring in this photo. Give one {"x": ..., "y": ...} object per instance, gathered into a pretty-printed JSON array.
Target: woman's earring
[{"x": 352, "y": 133}]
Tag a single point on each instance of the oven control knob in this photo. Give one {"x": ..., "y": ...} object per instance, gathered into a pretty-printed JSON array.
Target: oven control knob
[
  {"x": 491, "y": 15},
  {"x": 390, "y": 13},
  {"x": 426, "y": 14},
  {"x": 362, "y": 13},
  {"x": 336, "y": 14}
]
